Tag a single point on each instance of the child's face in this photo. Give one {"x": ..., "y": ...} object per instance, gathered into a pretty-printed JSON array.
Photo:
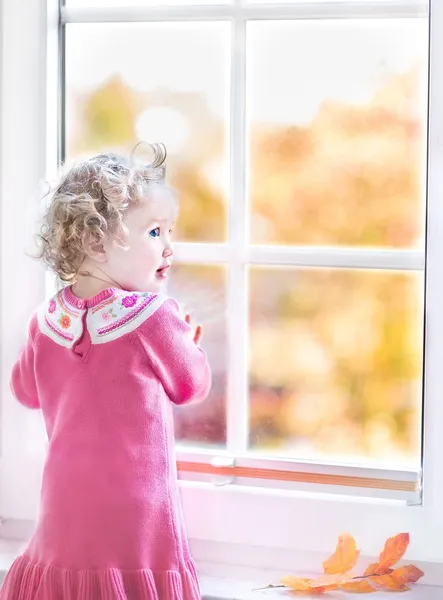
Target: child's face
[{"x": 142, "y": 261}]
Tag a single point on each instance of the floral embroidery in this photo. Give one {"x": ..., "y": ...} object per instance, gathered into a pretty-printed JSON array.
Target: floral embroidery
[
  {"x": 61, "y": 321},
  {"x": 102, "y": 305},
  {"x": 65, "y": 321},
  {"x": 128, "y": 309},
  {"x": 129, "y": 301}
]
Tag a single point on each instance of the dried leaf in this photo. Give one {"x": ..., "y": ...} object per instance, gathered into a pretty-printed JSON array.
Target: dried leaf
[
  {"x": 386, "y": 582},
  {"x": 358, "y": 587},
  {"x": 375, "y": 569},
  {"x": 323, "y": 584},
  {"x": 393, "y": 551},
  {"x": 321, "y": 590},
  {"x": 398, "y": 579},
  {"x": 344, "y": 558},
  {"x": 297, "y": 584},
  {"x": 330, "y": 581},
  {"x": 371, "y": 569},
  {"x": 407, "y": 574},
  {"x": 377, "y": 576}
]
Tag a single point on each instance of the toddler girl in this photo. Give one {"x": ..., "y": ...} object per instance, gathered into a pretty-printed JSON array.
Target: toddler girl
[{"x": 105, "y": 358}]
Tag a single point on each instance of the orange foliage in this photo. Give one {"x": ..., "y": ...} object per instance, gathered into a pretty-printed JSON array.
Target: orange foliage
[
  {"x": 377, "y": 576},
  {"x": 344, "y": 558},
  {"x": 393, "y": 551}
]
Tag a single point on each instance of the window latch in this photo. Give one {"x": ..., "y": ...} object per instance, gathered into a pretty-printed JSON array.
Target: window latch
[{"x": 221, "y": 466}]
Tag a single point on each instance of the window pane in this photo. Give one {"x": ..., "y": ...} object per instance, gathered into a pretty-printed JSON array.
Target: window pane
[
  {"x": 337, "y": 121},
  {"x": 151, "y": 81},
  {"x": 336, "y": 365},
  {"x": 201, "y": 292}
]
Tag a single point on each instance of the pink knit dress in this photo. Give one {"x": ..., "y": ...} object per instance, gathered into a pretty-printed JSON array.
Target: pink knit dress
[{"x": 105, "y": 372}]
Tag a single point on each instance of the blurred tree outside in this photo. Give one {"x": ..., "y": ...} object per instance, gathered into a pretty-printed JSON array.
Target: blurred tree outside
[
  {"x": 352, "y": 178},
  {"x": 335, "y": 355}
]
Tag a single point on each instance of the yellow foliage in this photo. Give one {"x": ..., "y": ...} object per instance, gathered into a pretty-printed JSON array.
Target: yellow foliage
[{"x": 377, "y": 576}]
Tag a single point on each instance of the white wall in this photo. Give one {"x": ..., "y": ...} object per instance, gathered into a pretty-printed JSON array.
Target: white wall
[{"x": 22, "y": 164}]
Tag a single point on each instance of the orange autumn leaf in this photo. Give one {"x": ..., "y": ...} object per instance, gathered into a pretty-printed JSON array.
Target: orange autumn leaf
[
  {"x": 383, "y": 571},
  {"x": 317, "y": 591},
  {"x": 330, "y": 581},
  {"x": 398, "y": 579},
  {"x": 297, "y": 584},
  {"x": 408, "y": 573},
  {"x": 363, "y": 586},
  {"x": 358, "y": 587},
  {"x": 344, "y": 558},
  {"x": 394, "y": 588},
  {"x": 386, "y": 582},
  {"x": 393, "y": 551},
  {"x": 405, "y": 575},
  {"x": 320, "y": 590},
  {"x": 371, "y": 569},
  {"x": 375, "y": 569},
  {"x": 314, "y": 586},
  {"x": 377, "y": 576}
]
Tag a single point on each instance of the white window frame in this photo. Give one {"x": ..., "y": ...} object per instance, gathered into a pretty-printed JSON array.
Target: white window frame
[{"x": 246, "y": 520}]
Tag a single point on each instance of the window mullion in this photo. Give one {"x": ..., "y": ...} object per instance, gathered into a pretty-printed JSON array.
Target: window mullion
[
  {"x": 352, "y": 9},
  {"x": 327, "y": 257},
  {"x": 237, "y": 396},
  {"x": 338, "y": 257}
]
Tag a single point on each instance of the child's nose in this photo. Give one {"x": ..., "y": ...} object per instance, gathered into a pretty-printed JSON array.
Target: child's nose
[{"x": 168, "y": 251}]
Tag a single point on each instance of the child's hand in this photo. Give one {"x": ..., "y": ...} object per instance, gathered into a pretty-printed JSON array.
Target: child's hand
[{"x": 198, "y": 330}]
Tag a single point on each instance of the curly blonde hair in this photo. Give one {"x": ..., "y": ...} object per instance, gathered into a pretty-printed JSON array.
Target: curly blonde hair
[{"x": 89, "y": 202}]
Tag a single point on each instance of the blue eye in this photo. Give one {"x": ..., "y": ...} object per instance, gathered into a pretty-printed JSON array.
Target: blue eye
[{"x": 155, "y": 232}]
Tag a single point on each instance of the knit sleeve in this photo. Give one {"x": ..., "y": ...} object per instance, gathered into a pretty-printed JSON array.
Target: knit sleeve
[
  {"x": 23, "y": 383},
  {"x": 178, "y": 362}
]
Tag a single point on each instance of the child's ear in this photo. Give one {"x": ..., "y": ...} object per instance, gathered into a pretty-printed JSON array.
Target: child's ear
[{"x": 95, "y": 248}]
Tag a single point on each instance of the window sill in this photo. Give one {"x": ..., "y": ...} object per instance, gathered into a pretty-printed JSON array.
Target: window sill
[
  {"x": 226, "y": 582},
  {"x": 232, "y": 587},
  {"x": 218, "y": 588}
]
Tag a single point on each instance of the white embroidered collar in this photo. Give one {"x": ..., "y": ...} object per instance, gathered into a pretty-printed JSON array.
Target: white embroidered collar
[{"x": 107, "y": 316}]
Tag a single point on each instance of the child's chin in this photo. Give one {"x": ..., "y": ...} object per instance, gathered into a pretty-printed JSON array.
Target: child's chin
[{"x": 155, "y": 286}]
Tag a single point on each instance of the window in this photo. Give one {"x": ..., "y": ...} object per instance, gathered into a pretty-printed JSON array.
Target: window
[
  {"x": 308, "y": 247},
  {"x": 326, "y": 156}
]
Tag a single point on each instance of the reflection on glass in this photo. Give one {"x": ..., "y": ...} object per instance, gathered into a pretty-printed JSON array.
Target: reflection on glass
[
  {"x": 201, "y": 292},
  {"x": 127, "y": 82},
  {"x": 337, "y": 124},
  {"x": 336, "y": 365}
]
